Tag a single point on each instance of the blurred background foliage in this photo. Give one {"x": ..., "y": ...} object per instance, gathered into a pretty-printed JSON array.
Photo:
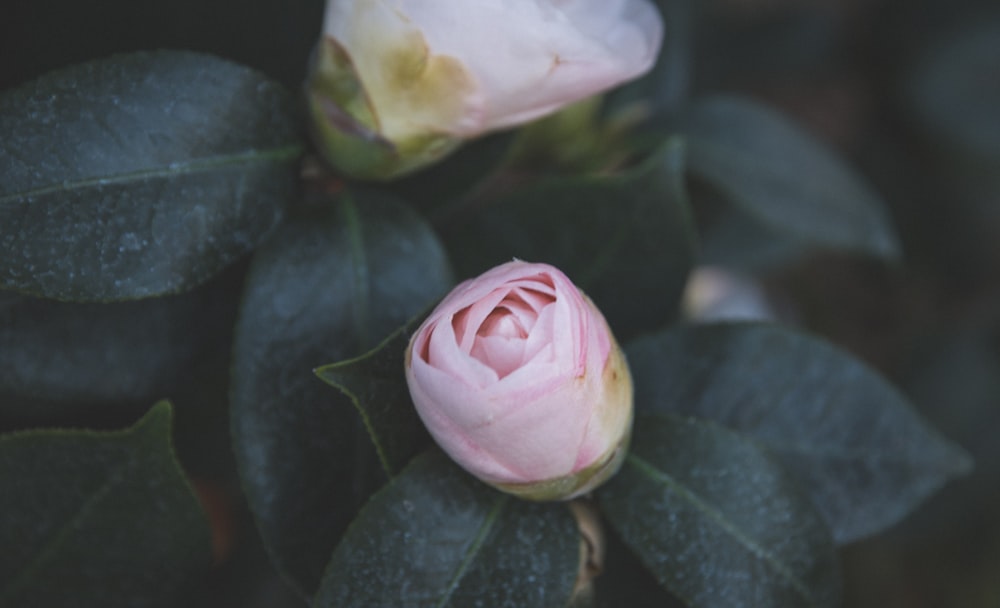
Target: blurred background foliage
[{"x": 907, "y": 90}]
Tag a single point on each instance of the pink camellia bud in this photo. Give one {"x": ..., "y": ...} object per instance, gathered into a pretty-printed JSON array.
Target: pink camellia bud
[{"x": 518, "y": 378}]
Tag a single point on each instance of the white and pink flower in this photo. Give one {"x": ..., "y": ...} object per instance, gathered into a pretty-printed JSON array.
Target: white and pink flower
[{"x": 410, "y": 79}]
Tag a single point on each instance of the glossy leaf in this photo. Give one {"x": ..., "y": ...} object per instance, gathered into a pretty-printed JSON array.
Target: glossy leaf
[
  {"x": 437, "y": 537},
  {"x": 862, "y": 453},
  {"x": 93, "y": 519},
  {"x": 328, "y": 286},
  {"x": 140, "y": 175},
  {"x": 375, "y": 383},
  {"x": 783, "y": 178},
  {"x": 717, "y": 521},
  {"x": 71, "y": 363},
  {"x": 626, "y": 240}
]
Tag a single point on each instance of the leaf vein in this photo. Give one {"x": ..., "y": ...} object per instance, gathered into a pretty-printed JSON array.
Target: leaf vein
[
  {"x": 720, "y": 519},
  {"x": 201, "y": 165},
  {"x": 53, "y": 544},
  {"x": 473, "y": 549},
  {"x": 362, "y": 281}
]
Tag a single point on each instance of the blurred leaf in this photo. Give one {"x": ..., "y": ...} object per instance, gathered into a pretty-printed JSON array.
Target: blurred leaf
[
  {"x": 436, "y": 536},
  {"x": 785, "y": 179},
  {"x": 864, "y": 456},
  {"x": 458, "y": 174},
  {"x": 717, "y": 522},
  {"x": 671, "y": 76},
  {"x": 626, "y": 239},
  {"x": 735, "y": 240},
  {"x": 375, "y": 383},
  {"x": 667, "y": 86},
  {"x": 756, "y": 47},
  {"x": 954, "y": 380},
  {"x": 955, "y": 91},
  {"x": 329, "y": 285},
  {"x": 67, "y": 363},
  {"x": 97, "y": 519},
  {"x": 140, "y": 175}
]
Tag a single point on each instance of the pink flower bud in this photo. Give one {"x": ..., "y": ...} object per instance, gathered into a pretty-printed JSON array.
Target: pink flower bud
[{"x": 518, "y": 378}]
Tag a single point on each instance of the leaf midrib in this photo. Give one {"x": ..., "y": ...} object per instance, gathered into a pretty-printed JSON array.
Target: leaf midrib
[
  {"x": 648, "y": 469},
  {"x": 473, "y": 550},
  {"x": 359, "y": 270},
  {"x": 24, "y": 577},
  {"x": 200, "y": 165}
]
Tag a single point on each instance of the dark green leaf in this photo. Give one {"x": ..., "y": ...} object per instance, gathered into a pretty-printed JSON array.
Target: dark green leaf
[
  {"x": 437, "y": 537},
  {"x": 955, "y": 92},
  {"x": 866, "y": 458},
  {"x": 626, "y": 239},
  {"x": 375, "y": 383},
  {"x": 954, "y": 380},
  {"x": 446, "y": 182},
  {"x": 66, "y": 363},
  {"x": 784, "y": 178},
  {"x": 139, "y": 175},
  {"x": 735, "y": 240},
  {"x": 97, "y": 519},
  {"x": 625, "y": 581},
  {"x": 328, "y": 286},
  {"x": 717, "y": 521}
]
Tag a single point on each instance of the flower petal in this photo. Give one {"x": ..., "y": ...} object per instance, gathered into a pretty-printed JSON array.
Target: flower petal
[
  {"x": 532, "y": 57},
  {"x": 501, "y": 354}
]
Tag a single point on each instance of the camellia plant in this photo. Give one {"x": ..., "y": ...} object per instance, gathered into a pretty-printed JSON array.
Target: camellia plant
[{"x": 419, "y": 324}]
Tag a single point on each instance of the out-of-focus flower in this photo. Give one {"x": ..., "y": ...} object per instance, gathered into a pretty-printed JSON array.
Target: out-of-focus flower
[
  {"x": 397, "y": 84},
  {"x": 717, "y": 294},
  {"x": 519, "y": 379}
]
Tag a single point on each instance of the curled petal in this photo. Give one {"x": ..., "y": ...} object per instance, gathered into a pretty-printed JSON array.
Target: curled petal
[{"x": 543, "y": 412}]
